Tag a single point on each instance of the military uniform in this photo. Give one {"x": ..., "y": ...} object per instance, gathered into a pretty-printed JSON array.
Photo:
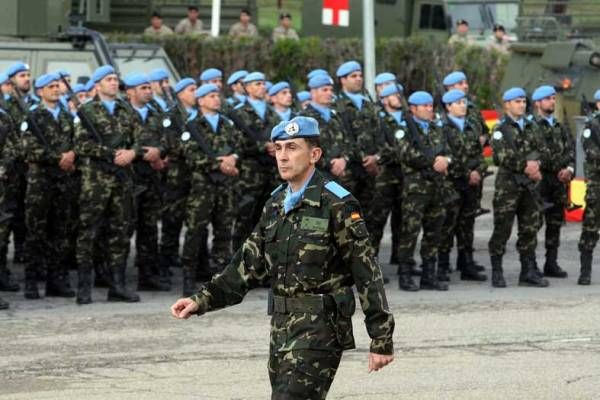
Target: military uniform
[
  {"x": 47, "y": 199},
  {"x": 311, "y": 256}
]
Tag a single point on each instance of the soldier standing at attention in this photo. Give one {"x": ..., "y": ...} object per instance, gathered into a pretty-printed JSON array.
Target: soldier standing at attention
[
  {"x": 557, "y": 172},
  {"x": 281, "y": 97},
  {"x": 518, "y": 151},
  {"x": 236, "y": 84},
  {"x": 159, "y": 82},
  {"x": 312, "y": 245}
]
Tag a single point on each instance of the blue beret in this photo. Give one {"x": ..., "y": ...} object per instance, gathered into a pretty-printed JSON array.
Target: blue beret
[
  {"x": 16, "y": 68},
  {"x": 597, "y": 95},
  {"x": 89, "y": 85},
  {"x": 135, "y": 79},
  {"x": 268, "y": 85},
  {"x": 320, "y": 81},
  {"x": 385, "y": 77},
  {"x": 182, "y": 84},
  {"x": 79, "y": 88},
  {"x": 303, "y": 96},
  {"x": 102, "y": 72},
  {"x": 298, "y": 127},
  {"x": 347, "y": 68},
  {"x": 3, "y": 77},
  {"x": 210, "y": 74},
  {"x": 420, "y": 98},
  {"x": 454, "y": 77},
  {"x": 452, "y": 96},
  {"x": 158, "y": 75},
  {"x": 388, "y": 91},
  {"x": 236, "y": 76},
  {"x": 63, "y": 73},
  {"x": 206, "y": 89},
  {"x": 278, "y": 87},
  {"x": 45, "y": 80},
  {"x": 315, "y": 72},
  {"x": 513, "y": 93},
  {"x": 542, "y": 92},
  {"x": 254, "y": 76}
]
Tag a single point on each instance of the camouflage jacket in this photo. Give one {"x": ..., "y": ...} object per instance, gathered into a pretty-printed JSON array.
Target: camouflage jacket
[
  {"x": 58, "y": 135},
  {"x": 388, "y": 141},
  {"x": 224, "y": 142},
  {"x": 466, "y": 150},
  {"x": 590, "y": 139},
  {"x": 319, "y": 250},
  {"x": 560, "y": 145},
  {"x": 334, "y": 140},
  {"x": 150, "y": 135},
  {"x": 9, "y": 142},
  {"x": 476, "y": 120},
  {"x": 362, "y": 127},
  {"x": 14, "y": 110}
]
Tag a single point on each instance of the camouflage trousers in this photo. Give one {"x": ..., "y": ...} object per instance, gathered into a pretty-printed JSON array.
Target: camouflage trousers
[
  {"x": 148, "y": 208},
  {"x": 15, "y": 204},
  {"x": 74, "y": 191},
  {"x": 591, "y": 218},
  {"x": 554, "y": 192},
  {"x": 176, "y": 190},
  {"x": 208, "y": 204},
  {"x": 4, "y": 226},
  {"x": 47, "y": 218},
  {"x": 510, "y": 200},
  {"x": 105, "y": 212},
  {"x": 302, "y": 374},
  {"x": 460, "y": 220},
  {"x": 422, "y": 207},
  {"x": 387, "y": 199}
]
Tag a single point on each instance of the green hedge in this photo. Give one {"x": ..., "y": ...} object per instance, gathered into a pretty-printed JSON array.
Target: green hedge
[{"x": 413, "y": 59}]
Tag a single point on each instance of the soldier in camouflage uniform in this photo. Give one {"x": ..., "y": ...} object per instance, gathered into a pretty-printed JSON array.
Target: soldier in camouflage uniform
[
  {"x": 258, "y": 176},
  {"x": 159, "y": 82},
  {"x": 312, "y": 245},
  {"x": 425, "y": 160},
  {"x": 518, "y": 152},
  {"x": 466, "y": 173},
  {"x": 106, "y": 195},
  {"x": 47, "y": 136},
  {"x": 147, "y": 174},
  {"x": 556, "y": 174},
  {"x": 281, "y": 97},
  {"x": 238, "y": 94},
  {"x": 209, "y": 154}
]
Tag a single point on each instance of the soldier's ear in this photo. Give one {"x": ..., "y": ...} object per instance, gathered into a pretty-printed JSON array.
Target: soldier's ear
[{"x": 315, "y": 154}]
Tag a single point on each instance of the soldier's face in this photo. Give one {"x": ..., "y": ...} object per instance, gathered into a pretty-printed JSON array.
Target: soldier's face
[
  {"x": 548, "y": 104},
  {"x": 424, "y": 112},
  {"x": 283, "y": 98},
  {"x": 458, "y": 108},
  {"x": 295, "y": 158},
  {"x": 353, "y": 82},
  {"x": 22, "y": 81},
  {"x": 463, "y": 86},
  {"x": 188, "y": 96},
  {"x": 108, "y": 86},
  {"x": 323, "y": 95},
  {"x": 157, "y": 87},
  {"x": 256, "y": 89},
  {"x": 82, "y": 97},
  {"x": 7, "y": 87},
  {"x": 50, "y": 92},
  {"x": 462, "y": 29},
  {"x": 143, "y": 93},
  {"x": 210, "y": 102},
  {"x": 218, "y": 82},
  {"x": 597, "y": 104},
  {"x": 393, "y": 101},
  {"x": 516, "y": 107}
]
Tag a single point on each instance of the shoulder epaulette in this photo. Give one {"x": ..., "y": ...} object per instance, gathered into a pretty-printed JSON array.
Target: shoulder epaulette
[
  {"x": 33, "y": 107},
  {"x": 337, "y": 189},
  {"x": 240, "y": 105},
  {"x": 277, "y": 189}
]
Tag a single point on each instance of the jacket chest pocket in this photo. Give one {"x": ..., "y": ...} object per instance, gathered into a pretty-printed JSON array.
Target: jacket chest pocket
[
  {"x": 312, "y": 257},
  {"x": 272, "y": 254}
]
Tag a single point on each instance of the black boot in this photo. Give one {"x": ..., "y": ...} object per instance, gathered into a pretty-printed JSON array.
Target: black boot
[
  {"x": 414, "y": 269},
  {"x": 429, "y": 277},
  {"x": 19, "y": 257},
  {"x": 84, "y": 284},
  {"x": 6, "y": 283},
  {"x": 530, "y": 274},
  {"x": 3, "y": 304},
  {"x": 551, "y": 267},
  {"x": 469, "y": 260},
  {"x": 102, "y": 275},
  {"x": 151, "y": 282},
  {"x": 585, "y": 278},
  {"x": 117, "y": 290},
  {"x": 189, "y": 282},
  {"x": 405, "y": 281},
  {"x": 443, "y": 267},
  {"x": 461, "y": 260},
  {"x": 31, "y": 284},
  {"x": 497, "y": 273},
  {"x": 56, "y": 285},
  {"x": 470, "y": 270}
]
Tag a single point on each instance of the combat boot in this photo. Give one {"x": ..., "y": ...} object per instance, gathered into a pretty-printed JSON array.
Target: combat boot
[
  {"x": 585, "y": 278},
  {"x": 189, "y": 282},
  {"x": 469, "y": 260},
  {"x": 117, "y": 290},
  {"x": 405, "y": 281},
  {"x": 151, "y": 282},
  {"x": 3, "y": 304},
  {"x": 429, "y": 277},
  {"x": 19, "y": 256},
  {"x": 56, "y": 285},
  {"x": 6, "y": 283},
  {"x": 470, "y": 270},
  {"x": 443, "y": 267},
  {"x": 497, "y": 273},
  {"x": 551, "y": 267},
  {"x": 84, "y": 284},
  {"x": 31, "y": 284},
  {"x": 102, "y": 275},
  {"x": 530, "y": 274}
]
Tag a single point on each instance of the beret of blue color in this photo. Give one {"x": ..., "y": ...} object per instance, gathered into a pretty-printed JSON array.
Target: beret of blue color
[
  {"x": 454, "y": 77},
  {"x": 206, "y": 89},
  {"x": 315, "y": 72},
  {"x": 388, "y": 91},
  {"x": 542, "y": 92},
  {"x": 210, "y": 74},
  {"x": 597, "y": 95},
  {"x": 236, "y": 76},
  {"x": 63, "y": 73},
  {"x": 158, "y": 75},
  {"x": 513, "y": 93},
  {"x": 384, "y": 77},
  {"x": 303, "y": 96},
  {"x": 254, "y": 76},
  {"x": 347, "y": 68},
  {"x": 182, "y": 84},
  {"x": 420, "y": 98},
  {"x": 298, "y": 127},
  {"x": 79, "y": 88},
  {"x": 320, "y": 81},
  {"x": 278, "y": 87},
  {"x": 135, "y": 79},
  {"x": 452, "y": 96},
  {"x": 102, "y": 72},
  {"x": 16, "y": 68},
  {"x": 89, "y": 85},
  {"x": 3, "y": 77},
  {"x": 45, "y": 80}
]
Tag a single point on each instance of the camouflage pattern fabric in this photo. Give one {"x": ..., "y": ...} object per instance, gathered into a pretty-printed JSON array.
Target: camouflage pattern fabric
[
  {"x": 591, "y": 218},
  {"x": 9, "y": 141}
]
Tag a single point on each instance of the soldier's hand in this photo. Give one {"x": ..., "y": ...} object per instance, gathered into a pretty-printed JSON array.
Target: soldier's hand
[
  {"x": 158, "y": 165},
  {"x": 440, "y": 165},
  {"x": 565, "y": 175},
  {"x": 184, "y": 308},
  {"x": 124, "y": 157},
  {"x": 532, "y": 168},
  {"x": 151, "y": 154},
  {"x": 229, "y": 161},
  {"x": 378, "y": 361},
  {"x": 474, "y": 178},
  {"x": 370, "y": 164},
  {"x": 338, "y": 166},
  {"x": 536, "y": 177},
  {"x": 270, "y": 147}
]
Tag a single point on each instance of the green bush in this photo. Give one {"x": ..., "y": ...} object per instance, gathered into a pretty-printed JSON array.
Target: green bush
[{"x": 416, "y": 60}]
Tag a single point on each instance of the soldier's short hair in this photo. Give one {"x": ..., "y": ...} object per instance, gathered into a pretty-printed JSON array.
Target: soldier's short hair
[{"x": 313, "y": 141}]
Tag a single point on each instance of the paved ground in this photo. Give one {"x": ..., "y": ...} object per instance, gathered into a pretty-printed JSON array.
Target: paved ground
[{"x": 473, "y": 342}]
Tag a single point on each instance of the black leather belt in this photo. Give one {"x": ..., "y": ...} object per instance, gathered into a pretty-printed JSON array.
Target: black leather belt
[{"x": 312, "y": 304}]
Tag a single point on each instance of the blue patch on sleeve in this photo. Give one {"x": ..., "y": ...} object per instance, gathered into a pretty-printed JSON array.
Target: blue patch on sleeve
[{"x": 336, "y": 189}]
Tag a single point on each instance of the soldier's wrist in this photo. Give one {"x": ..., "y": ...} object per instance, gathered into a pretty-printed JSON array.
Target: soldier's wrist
[
  {"x": 382, "y": 346},
  {"x": 202, "y": 303}
]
